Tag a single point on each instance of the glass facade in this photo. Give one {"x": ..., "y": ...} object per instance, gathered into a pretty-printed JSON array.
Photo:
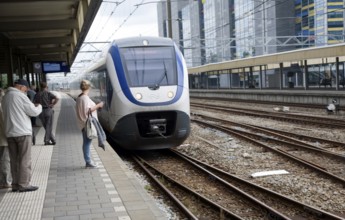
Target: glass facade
[
  {"x": 209, "y": 31},
  {"x": 219, "y": 23},
  {"x": 320, "y": 22},
  {"x": 244, "y": 32},
  {"x": 193, "y": 34}
]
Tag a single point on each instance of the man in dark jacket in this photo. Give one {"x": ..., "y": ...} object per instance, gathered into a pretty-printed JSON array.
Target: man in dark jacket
[{"x": 47, "y": 100}]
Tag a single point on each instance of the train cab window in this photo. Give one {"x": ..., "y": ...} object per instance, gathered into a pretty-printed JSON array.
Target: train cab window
[{"x": 149, "y": 66}]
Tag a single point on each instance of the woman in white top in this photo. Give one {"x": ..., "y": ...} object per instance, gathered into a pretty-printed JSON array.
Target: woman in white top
[{"x": 83, "y": 105}]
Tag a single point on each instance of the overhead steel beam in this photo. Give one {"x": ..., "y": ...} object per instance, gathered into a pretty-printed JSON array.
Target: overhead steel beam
[
  {"x": 38, "y": 25},
  {"x": 87, "y": 22},
  {"x": 45, "y": 50},
  {"x": 48, "y": 57},
  {"x": 41, "y": 41},
  {"x": 12, "y": 1}
]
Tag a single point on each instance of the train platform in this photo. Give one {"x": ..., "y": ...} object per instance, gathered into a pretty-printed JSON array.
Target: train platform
[
  {"x": 313, "y": 97},
  {"x": 69, "y": 191}
]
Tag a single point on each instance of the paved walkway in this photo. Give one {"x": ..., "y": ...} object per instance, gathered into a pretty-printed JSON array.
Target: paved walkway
[{"x": 67, "y": 190}]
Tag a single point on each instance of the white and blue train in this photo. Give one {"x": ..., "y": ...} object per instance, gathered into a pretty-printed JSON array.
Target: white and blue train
[{"x": 143, "y": 82}]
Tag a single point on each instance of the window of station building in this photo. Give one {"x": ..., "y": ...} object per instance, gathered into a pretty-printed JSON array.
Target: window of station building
[
  {"x": 305, "y": 2},
  {"x": 332, "y": 24},
  {"x": 335, "y": 14},
  {"x": 311, "y": 21},
  {"x": 305, "y": 22},
  {"x": 335, "y": 35},
  {"x": 305, "y": 13},
  {"x": 334, "y": 6},
  {"x": 319, "y": 23}
]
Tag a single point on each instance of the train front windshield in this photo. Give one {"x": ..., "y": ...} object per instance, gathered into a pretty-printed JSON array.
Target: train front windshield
[{"x": 149, "y": 66}]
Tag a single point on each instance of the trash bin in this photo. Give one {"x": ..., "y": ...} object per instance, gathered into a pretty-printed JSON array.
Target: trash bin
[{"x": 291, "y": 85}]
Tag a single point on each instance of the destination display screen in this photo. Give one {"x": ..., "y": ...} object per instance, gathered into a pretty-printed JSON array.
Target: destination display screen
[{"x": 55, "y": 67}]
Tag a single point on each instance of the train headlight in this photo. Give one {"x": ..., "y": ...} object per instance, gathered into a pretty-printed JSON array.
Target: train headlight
[
  {"x": 138, "y": 96},
  {"x": 170, "y": 94}
]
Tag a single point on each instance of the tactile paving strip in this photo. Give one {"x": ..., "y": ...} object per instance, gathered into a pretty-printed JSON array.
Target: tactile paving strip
[{"x": 29, "y": 205}]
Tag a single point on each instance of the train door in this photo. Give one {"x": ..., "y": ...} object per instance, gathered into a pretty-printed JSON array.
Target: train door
[
  {"x": 101, "y": 87},
  {"x": 107, "y": 95}
]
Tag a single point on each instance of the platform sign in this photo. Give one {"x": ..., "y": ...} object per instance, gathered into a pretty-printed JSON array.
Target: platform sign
[{"x": 55, "y": 67}]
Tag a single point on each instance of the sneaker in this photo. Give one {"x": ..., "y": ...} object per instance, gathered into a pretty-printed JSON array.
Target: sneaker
[
  {"x": 91, "y": 165},
  {"x": 28, "y": 189}
]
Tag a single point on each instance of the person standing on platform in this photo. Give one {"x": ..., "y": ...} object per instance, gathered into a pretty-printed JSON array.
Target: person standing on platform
[
  {"x": 5, "y": 167},
  {"x": 83, "y": 105},
  {"x": 31, "y": 95},
  {"x": 17, "y": 110},
  {"x": 47, "y": 100}
]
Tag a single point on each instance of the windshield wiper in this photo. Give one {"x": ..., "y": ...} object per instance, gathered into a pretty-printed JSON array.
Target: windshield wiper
[{"x": 165, "y": 75}]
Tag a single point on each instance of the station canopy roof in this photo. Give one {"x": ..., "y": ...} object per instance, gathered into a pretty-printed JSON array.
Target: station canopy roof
[{"x": 51, "y": 30}]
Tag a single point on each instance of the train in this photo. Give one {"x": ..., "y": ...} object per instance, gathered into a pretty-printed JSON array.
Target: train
[{"x": 143, "y": 82}]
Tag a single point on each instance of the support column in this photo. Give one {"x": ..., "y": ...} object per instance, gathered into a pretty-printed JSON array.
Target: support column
[
  {"x": 281, "y": 76},
  {"x": 305, "y": 75},
  {"x": 260, "y": 77},
  {"x": 337, "y": 73},
  {"x": 10, "y": 69},
  {"x": 169, "y": 18}
]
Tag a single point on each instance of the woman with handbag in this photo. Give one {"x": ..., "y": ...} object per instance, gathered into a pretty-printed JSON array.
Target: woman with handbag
[{"x": 84, "y": 105}]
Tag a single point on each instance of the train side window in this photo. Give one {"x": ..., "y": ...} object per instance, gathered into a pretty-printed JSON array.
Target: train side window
[{"x": 101, "y": 86}]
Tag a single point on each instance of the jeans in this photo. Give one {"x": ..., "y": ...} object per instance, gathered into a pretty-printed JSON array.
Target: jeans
[{"x": 86, "y": 147}]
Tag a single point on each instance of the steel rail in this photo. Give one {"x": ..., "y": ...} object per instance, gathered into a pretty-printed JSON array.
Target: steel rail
[
  {"x": 318, "y": 106},
  {"x": 285, "y": 117},
  {"x": 334, "y": 143},
  {"x": 184, "y": 209},
  {"x": 314, "y": 210},
  {"x": 270, "y": 211},
  {"x": 293, "y": 143},
  {"x": 222, "y": 209},
  {"x": 276, "y": 113},
  {"x": 303, "y": 162}
]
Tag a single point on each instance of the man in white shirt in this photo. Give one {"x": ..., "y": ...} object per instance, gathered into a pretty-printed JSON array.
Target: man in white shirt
[{"x": 17, "y": 110}]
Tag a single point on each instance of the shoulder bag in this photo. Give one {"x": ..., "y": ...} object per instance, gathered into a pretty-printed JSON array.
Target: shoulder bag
[{"x": 91, "y": 131}]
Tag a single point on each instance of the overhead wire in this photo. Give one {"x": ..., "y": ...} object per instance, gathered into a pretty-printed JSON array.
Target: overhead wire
[
  {"x": 119, "y": 27},
  {"x": 126, "y": 19},
  {"x": 95, "y": 33}
]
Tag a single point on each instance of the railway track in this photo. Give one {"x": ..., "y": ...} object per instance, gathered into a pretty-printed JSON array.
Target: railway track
[
  {"x": 289, "y": 117},
  {"x": 205, "y": 192},
  {"x": 318, "y": 159},
  {"x": 327, "y": 161},
  {"x": 301, "y": 105}
]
